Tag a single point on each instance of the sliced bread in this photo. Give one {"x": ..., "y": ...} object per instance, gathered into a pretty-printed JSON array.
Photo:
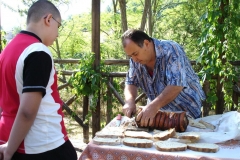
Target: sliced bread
[
  {"x": 134, "y": 128},
  {"x": 208, "y": 125},
  {"x": 111, "y": 132},
  {"x": 137, "y": 142},
  {"x": 106, "y": 141},
  {"x": 138, "y": 134},
  {"x": 203, "y": 147},
  {"x": 167, "y": 146},
  {"x": 164, "y": 135},
  {"x": 192, "y": 136},
  {"x": 194, "y": 123}
]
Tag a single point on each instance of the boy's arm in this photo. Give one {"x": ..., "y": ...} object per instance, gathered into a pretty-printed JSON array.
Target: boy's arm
[{"x": 29, "y": 105}]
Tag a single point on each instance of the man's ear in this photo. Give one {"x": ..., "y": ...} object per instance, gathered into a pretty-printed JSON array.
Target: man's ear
[{"x": 146, "y": 43}]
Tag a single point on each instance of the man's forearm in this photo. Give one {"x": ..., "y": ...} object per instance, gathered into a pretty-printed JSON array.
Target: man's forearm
[{"x": 130, "y": 93}]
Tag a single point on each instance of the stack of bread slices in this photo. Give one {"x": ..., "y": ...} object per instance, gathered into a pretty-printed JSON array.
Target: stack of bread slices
[{"x": 168, "y": 140}]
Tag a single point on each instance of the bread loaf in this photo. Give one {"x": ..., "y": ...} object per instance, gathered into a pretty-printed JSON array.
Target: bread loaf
[
  {"x": 203, "y": 147},
  {"x": 170, "y": 146},
  {"x": 136, "y": 142},
  {"x": 166, "y": 120}
]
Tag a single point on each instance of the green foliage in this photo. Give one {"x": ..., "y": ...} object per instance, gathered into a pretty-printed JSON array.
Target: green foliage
[
  {"x": 3, "y": 40},
  {"x": 219, "y": 44},
  {"x": 87, "y": 80}
]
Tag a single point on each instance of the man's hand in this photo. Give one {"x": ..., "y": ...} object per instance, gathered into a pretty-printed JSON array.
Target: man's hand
[
  {"x": 129, "y": 109},
  {"x": 3, "y": 153},
  {"x": 147, "y": 115}
]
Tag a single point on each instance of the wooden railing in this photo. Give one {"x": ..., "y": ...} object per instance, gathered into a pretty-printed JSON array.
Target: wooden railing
[{"x": 112, "y": 90}]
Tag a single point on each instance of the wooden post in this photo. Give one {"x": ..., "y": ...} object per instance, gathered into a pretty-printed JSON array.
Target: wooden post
[
  {"x": 109, "y": 101},
  {"x": 206, "y": 106},
  {"x": 235, "y": 95},
  {"x": 96, "y": 50},
  {"x": 85, "y": 112}
]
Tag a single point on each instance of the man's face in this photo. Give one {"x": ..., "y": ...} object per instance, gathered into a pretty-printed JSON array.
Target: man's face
[{"x": 138, "y": 54}]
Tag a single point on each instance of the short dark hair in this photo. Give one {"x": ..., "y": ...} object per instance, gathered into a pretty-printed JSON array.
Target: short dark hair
[
  {"x": 40, "y": 9},
  {"x": 137, "y": 36}
]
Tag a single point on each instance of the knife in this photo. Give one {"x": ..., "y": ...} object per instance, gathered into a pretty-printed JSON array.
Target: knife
[{"x": 118, "y": 122}]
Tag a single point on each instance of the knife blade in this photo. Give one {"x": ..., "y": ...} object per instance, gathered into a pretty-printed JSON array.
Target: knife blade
[
  {"x": 118, "y": 118},
  {"x": 135, "y": 122}
]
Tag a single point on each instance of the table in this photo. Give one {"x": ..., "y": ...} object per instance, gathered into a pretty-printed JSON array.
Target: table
[{"x": 229, "y": 150}]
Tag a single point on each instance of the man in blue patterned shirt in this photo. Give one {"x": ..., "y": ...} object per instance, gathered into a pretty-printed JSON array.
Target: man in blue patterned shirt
[{"x": 162, "y": 70}]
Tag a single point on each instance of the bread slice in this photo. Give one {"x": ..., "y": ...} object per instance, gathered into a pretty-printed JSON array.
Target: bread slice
[
  {"x": 111, "y": 132},
  {"x": 203, "y": 147},
  {"x": 164, "y": 135},
  {"x": 167, "y": 146},
  {"x": 134, "y": 128},
  {"x": 192, "y": 136},
  {"x": 179, "y": 140},
  {"x": 208, "y": 125},
  {"x": 106, "y": 141},
  {"x": 137, "y": 142},
  {"x": 194, "y": 123},
  {"x": 138, "y": 134}
]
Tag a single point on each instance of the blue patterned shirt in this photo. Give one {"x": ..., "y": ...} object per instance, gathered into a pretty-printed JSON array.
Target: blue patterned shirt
[{"x": 172, "y": 68}]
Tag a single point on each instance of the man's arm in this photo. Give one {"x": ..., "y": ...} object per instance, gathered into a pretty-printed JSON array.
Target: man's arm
[
  {"x": 26, "y": 115},
  {"x": 130, "y": 94},
  {"x": 150, "y": 110}
]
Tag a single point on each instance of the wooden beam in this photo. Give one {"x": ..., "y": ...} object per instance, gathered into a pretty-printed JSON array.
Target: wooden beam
[
  {"x": 116, "y": 93},
  {"x": 63, "y": 86},
  {"x": 140, "y": 97},
  {"x": 70, "y": 112},
  {"x": 123, "y": 61}
]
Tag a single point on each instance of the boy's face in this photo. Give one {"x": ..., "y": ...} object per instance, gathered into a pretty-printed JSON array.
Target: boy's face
[{"x": 55, "y": 23}]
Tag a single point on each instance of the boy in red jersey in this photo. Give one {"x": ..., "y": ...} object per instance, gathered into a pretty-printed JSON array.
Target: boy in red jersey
[{"x": 31, "y": 121}]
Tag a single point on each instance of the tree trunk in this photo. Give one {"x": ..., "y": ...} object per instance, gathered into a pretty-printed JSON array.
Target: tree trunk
[
  {"x": 224, "y": 13},
  {"x": 115, "y": 2},
  {"x": 123, "y": 15},
  {"x": 152, "y": 13},
  {"x": 147, "y": 5},
  {"x": 150, "y": 28}
]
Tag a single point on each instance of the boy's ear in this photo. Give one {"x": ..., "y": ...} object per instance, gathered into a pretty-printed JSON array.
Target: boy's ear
[{"x": 47, "y": 19}]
